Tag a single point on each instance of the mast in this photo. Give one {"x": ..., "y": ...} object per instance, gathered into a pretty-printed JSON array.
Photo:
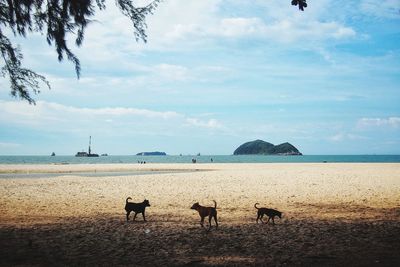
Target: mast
[{"x": 90, "y": 140}]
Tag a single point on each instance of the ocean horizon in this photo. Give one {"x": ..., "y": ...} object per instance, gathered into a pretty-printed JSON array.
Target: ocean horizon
[{"x": 127, "y": 159}]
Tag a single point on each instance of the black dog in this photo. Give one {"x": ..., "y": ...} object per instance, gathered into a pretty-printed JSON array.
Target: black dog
[
  {"x": 211, "y": 212},
  {"x": 271, "y": 213},
  {"x": 136, "y": 208}
]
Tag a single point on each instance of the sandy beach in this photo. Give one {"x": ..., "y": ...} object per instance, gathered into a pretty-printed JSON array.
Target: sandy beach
[{"x": 333, "y": 214}]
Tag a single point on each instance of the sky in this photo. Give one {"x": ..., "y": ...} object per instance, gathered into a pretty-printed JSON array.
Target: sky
[{"x": 215, "y": 74}]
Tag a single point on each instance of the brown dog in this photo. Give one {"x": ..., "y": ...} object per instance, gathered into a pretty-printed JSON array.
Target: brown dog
[
  {"x": 271, "y": 213},
  {"x": 206, "y": 211},
  {"x": 136, "y": 208}
]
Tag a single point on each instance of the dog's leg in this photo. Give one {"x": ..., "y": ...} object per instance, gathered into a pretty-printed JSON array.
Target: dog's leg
[
  {"x": 144, "y": 217},
  {"x": 216, "y": 221},
  {"x": 209, "y": 221},
  {"x": 258, "y": 217},
  {"x": 127, "y": 215},
  {"x": 202, "y": 222},
  {"x": 262, "y": 215},
  {"x": 134, "y": 217}
]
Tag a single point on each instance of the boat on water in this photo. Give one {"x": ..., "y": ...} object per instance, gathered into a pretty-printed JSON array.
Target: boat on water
[
  {"x": 53, "y": 154},
  {"x": 86, "y": 154}
]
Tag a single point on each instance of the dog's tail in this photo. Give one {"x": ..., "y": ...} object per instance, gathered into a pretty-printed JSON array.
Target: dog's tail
[
  {"x": 215, "y": 204},
  {"x": 128, "y": 199},
  {"x": 255, "y": 205}
]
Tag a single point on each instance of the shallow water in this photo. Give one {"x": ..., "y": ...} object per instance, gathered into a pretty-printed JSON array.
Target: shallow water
[{"x": 84, "y": 174}]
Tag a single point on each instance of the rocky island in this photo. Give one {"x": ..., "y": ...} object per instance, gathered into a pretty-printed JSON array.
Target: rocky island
[{"x": 260, "y": 147}]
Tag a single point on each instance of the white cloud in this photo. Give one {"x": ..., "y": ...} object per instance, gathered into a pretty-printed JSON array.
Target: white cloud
[
  {"x": 342, "y": 136},
  {"x": 9, "y": 145},
  {"x": 176, "y": 21},
  {"x": 47, "y": 111},
  {"x": 179, "y": 24},
  {"x": 236, "y": 27},
  {"x": 337, "y": 137},
  {"x": 286, "y": 30},
  {"x": 211, "y": 123},
  {"x": 180, "y": 31},
  {"x": 340, "y": 32},
  {"x": 382, "y": 8},
  {"x": 172, "y": 72},
  {"x": 392, "y": 122},
  {"x": 174, "y": 18},
  {"x": 110, "y": 47},
  {"x": 49, "y": 116},
  {"x": 290, "y": 31}
]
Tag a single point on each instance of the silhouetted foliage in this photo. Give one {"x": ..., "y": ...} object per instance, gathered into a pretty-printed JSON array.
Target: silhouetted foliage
[
  {"x": 302, "y": 4},
  {"x": 55, "y": 19},
  {"x": 21, "y": 79}
]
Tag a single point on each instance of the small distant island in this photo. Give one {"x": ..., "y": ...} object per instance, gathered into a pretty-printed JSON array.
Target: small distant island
[
  {"x": 260, "y": 147},
  {"x": 155, "y": 153}
]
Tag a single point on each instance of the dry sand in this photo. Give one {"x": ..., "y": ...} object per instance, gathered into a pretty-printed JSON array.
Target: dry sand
[{"x": 333, "y": 214}]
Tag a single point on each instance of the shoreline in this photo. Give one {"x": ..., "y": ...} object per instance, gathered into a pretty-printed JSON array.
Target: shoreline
[
  {"x": 66, "y": 160},
  {"x": 116, "y": 167}
]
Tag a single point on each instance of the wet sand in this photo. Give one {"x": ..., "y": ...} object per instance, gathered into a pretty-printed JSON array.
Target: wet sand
[{"x": 333, "y": 215}]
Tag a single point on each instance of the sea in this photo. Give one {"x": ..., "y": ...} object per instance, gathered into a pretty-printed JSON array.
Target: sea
[{"x": 199, "y": 159}]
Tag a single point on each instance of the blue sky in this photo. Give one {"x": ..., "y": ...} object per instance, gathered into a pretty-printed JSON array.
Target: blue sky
[{"x": 215, "y": 74}]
